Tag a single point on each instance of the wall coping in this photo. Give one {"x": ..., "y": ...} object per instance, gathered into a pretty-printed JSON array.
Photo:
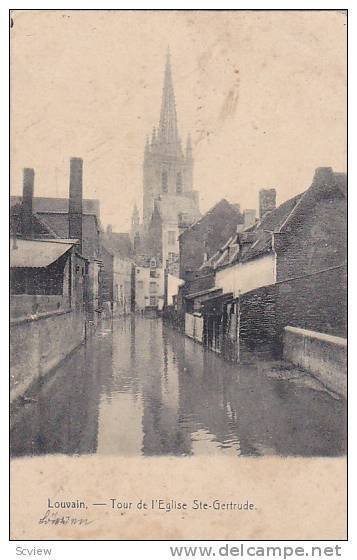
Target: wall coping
[
  {"x": 39, "y": 316},
  {"x": 338, "y": 340}
]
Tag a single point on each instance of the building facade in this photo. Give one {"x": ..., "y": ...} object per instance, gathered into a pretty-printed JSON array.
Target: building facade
[{"x": 149, "y": 287}]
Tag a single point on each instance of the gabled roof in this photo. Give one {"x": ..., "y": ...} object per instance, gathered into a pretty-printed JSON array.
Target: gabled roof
[
  {"x": 39, "y": 227},
  {"x": 59, "y": 222},
  {"x": 222, "y": 205}
]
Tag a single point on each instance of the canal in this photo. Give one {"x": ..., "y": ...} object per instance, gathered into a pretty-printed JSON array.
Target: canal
[{"x": 137, "y": 387}]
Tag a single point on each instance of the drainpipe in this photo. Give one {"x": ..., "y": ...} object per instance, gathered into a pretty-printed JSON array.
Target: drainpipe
[{"x": 238, "y": 328}]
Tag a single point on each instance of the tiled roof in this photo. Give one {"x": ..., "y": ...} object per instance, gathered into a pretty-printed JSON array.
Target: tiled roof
[
  {"x": 257, "y": 240},
  {"x": 59, "y": 222},
  {"x": 222, "y": 205},
  {"x": 39, "y": 228}
]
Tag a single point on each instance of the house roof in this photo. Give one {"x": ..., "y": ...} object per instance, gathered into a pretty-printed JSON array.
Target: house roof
[
  {"x": 39, "y": 227},
  {"x": 39, "y": 253},
  {"x": 59, "y": 222},
  {"x": 222, "y": 205},
  {"x": 257, "y": 240},
  {"x": 59, "y": 205}
]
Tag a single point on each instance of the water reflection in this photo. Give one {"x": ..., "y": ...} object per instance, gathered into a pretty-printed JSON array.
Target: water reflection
[{"x": 142, "y": 388}]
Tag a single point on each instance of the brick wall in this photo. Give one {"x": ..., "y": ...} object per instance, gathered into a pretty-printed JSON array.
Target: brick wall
[
  {"x": 317, "y": 302},
  {"x": 258, "y": 324},
  {"x": 312, "y": 292}
]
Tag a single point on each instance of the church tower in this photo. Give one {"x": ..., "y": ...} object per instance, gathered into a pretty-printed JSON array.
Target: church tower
[{"x": 167, "y": 169}]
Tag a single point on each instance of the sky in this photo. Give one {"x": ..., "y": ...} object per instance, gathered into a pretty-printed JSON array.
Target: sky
[{"x": 263, "y": 94}]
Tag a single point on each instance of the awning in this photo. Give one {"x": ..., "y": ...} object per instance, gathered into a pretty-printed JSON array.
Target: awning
[
  {"x": 215, "y": 291},
  {"x": 216, "y": 302},
  {"x": 31, "y": 253}
]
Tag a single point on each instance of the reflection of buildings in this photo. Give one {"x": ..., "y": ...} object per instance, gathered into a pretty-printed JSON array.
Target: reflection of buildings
[
  {"x": 63, "y": 415},
  {"x": 163, "y": 432},
  {"x": 226, "y": 409}
]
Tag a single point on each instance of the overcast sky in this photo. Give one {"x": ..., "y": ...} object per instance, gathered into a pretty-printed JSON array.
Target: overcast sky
[{"x": 262, "y": 93}]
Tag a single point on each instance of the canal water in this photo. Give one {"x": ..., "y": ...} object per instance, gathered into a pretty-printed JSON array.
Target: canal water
[{"x": 140, "y": 388}]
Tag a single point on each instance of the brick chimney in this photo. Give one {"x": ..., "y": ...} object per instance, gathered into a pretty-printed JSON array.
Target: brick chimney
[
  {"x": 75, "y": 206},
  {"x": 27, "y": 201},
  {"x": 267, "y": 201},
  {"x": 249, "y": 218},
  {"x": 323, "y": 176}
]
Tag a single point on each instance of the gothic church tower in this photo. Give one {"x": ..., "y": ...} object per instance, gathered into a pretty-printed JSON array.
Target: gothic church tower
[{"x": 168, "y": 170}]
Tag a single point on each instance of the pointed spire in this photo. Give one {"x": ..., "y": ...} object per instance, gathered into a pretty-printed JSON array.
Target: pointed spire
[
  {"x": 168, "y": 133},
  {"x": 189, "y": 147}
]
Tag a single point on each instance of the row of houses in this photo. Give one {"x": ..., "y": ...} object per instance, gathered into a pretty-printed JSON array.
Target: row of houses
[
  {"x": 280, "y": 279},
  {"x": 61, "y": 276}
]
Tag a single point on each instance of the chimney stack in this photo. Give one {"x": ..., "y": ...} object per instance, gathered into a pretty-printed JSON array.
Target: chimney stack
[
  {"x": 75, "y": 207},
  {"x": 249, "y": 218},
  {"x": 27, "y": 201},
  {"x": 267, "y": 201}
]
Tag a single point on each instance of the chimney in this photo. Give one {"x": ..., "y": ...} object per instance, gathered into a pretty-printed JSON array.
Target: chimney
[
  {"x": 323, "y": 176},
  {"x": 249, "y": 218},
  {"x": 267, "y": 201},
  {"x": 75, "y": 206},
  {"x": 27, "y": 200}
]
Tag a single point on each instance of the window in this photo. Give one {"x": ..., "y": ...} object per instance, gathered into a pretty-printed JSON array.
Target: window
[
  {"x": 153, "y": 287},
  {"x": 153, "y": 263},
  {"x": 164, "y": 181},
  {"x": 179, "y": 182},
  {"x": 171, "y": 237},
  {"x": 152, "y": 273},
  {"x": 152, "y": 300},
  {"x": 140, "y": 285}
]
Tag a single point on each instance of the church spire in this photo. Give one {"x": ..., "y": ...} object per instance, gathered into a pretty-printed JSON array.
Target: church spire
[{"x": 168, "y": 132}]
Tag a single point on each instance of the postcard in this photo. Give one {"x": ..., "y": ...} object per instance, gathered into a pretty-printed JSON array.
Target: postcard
[{"x": 178, "y": 253}]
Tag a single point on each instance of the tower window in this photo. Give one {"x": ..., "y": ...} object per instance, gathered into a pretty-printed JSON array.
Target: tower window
[
  {"x": 179, "y": 182},
  {"x": 164, "y": 181}
]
